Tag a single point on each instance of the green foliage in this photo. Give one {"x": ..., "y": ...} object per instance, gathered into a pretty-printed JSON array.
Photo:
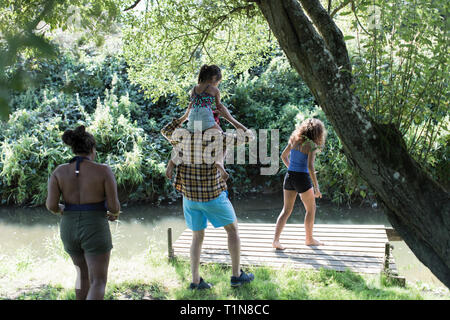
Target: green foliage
[
  {"x": 276, "y": 98},
  {"x": 400, "y": 70},
  {"x": 31, "y": 145},
  {"x": 23, "y": 28},
  {"x": 127, "y": 129},
  {"x": 401, "y": 64},
  {"x": 168, "y": 42}
]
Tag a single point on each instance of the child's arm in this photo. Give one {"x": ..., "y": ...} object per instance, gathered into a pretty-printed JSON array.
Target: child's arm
[
  {"x": 312, "y": 173},
  {"x": 223, "y": 111},
  {"x": 217, "y": 96}
]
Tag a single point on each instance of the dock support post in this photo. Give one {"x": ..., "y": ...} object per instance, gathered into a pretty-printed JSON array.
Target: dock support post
[
  {"x": 169, "y": 243},
  {"x": 387, "y": 252},
  {"x": 391, "y": 277}
]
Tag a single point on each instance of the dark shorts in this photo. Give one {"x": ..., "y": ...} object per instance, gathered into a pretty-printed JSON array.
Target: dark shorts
[
  {"x": 85, "y": 232},
  {"x": 298, "y": 181}
]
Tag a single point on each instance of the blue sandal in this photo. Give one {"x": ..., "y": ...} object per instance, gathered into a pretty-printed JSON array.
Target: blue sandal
[
  {"x": 201, "y": 285},
  {"x": 243, "y": 278}
]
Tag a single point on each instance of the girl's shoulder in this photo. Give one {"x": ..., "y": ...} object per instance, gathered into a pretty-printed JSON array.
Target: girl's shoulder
[
  {"x": 308, "y": 146},
  {"x": 211, "y": 90},
  {"x": 194, "y": 90},
  {"x": 296, "y": 145}
]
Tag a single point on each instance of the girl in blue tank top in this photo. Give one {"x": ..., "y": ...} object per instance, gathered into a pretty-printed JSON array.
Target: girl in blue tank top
[
  {"x": 299, "y": 156},
  {"x": 298, "y": 161}
]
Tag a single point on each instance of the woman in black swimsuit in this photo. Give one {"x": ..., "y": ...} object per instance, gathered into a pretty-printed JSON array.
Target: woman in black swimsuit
[{"x": 90, "y": 196}]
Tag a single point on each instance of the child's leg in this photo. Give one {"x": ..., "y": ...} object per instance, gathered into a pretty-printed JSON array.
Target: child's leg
[
  {"x": 216, "y": 126},
  {"x": 169, "y": 169},
  {"x": 219, "y": 162},
  {"x": 223, "y": 173},
  {"x": 310, "y": 206}
]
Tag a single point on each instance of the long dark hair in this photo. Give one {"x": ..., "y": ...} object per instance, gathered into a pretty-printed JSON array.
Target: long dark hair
[
  {"x": 82, "y": 142},
  {"x": 208, "y": 72}
]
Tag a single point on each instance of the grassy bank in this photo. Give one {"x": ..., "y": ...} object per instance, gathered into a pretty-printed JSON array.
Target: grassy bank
[{"x": 150, "y": 275}]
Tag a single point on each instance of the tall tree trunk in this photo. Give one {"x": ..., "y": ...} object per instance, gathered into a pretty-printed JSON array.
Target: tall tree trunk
[{"x": 416, "y": 206}]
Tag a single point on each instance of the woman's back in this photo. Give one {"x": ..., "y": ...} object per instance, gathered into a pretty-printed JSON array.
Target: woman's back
[
  {"x": 87, "y": 187},
  {"x": 82, "y": 181}
]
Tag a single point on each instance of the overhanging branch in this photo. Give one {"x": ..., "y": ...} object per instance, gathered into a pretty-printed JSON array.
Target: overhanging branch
[
  {"x": 331, "y": 34},
  {"x": 133, "y": 5}
]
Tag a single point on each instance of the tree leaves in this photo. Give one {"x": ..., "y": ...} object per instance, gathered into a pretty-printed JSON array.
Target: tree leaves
[{"x": 166, "y": 46}]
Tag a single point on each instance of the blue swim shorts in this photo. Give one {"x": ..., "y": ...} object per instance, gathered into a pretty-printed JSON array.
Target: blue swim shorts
[{"x": 218, "y": 211}]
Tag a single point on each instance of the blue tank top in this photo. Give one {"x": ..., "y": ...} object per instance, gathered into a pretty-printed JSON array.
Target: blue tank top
[{"x": 298, "y": 161}]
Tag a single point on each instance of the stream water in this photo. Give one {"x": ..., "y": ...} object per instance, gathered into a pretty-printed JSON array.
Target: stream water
[{"x": 144, "y": 225}]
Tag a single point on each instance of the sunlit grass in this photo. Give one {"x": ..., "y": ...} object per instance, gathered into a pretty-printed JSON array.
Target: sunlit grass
[{"x": 150, "y": 275}]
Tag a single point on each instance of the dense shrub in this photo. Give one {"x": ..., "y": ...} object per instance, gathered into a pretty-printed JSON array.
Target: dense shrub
[{"x": 127, "y": 128}]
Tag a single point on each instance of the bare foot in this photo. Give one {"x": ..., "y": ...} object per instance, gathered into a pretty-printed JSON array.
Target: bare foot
[
  {"x": 314, "y": 242},
  {"x": 277, "y": 245}
]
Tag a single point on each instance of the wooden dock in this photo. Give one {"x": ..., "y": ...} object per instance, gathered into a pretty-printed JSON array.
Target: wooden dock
[{"x": 359, "y": 248}]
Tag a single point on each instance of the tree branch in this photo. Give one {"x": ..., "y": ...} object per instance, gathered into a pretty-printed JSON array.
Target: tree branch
[
  {"x": 331, "y": 34},
  {"x": 132, "y": 6},
  {"x": 339, "y": 7},
  {"x": 205, "y": 33}
]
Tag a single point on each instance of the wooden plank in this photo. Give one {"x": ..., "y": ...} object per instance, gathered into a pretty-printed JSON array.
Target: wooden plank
[
  {"x": 288, "y": 242},
  {"x": 332, "y": 226},
  {"x": 295, "y": 245},
  {"x": 269, "y": 260},
  {"x": 316, "y": 228},
  {"x": 255, "y": 260},
  {"x": 381, "y": 235},
  {"x": 379, "y": 254},
  {"x": 392, "y": 234},
  {"x": 360, "y": 248},
  {"x": 293, "y": 255},
  {"x": 298, "y": 237},
  {"x": 227, "y": 261}
]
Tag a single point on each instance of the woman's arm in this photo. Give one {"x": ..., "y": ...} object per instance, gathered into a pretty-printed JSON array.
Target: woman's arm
[
  {"x": 53, "y": 196},
  {"x": 312, "y": 173},
  {"x": 112, "y": 198},
  {"x": 285, "y": 155}
]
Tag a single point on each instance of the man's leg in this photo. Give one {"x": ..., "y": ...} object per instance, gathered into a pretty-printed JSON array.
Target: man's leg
[
  {"x": 234, "y": 247},
  {"x": 196, "y": 249}
]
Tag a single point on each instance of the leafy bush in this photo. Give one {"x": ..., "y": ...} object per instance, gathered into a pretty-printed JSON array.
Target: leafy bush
[
  {"x": 127, "y": 128},
  {"x": 31, "y": 145}
]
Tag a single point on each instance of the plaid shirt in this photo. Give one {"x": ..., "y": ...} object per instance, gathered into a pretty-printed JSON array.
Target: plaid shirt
[{"x": 198, "y": 180}]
